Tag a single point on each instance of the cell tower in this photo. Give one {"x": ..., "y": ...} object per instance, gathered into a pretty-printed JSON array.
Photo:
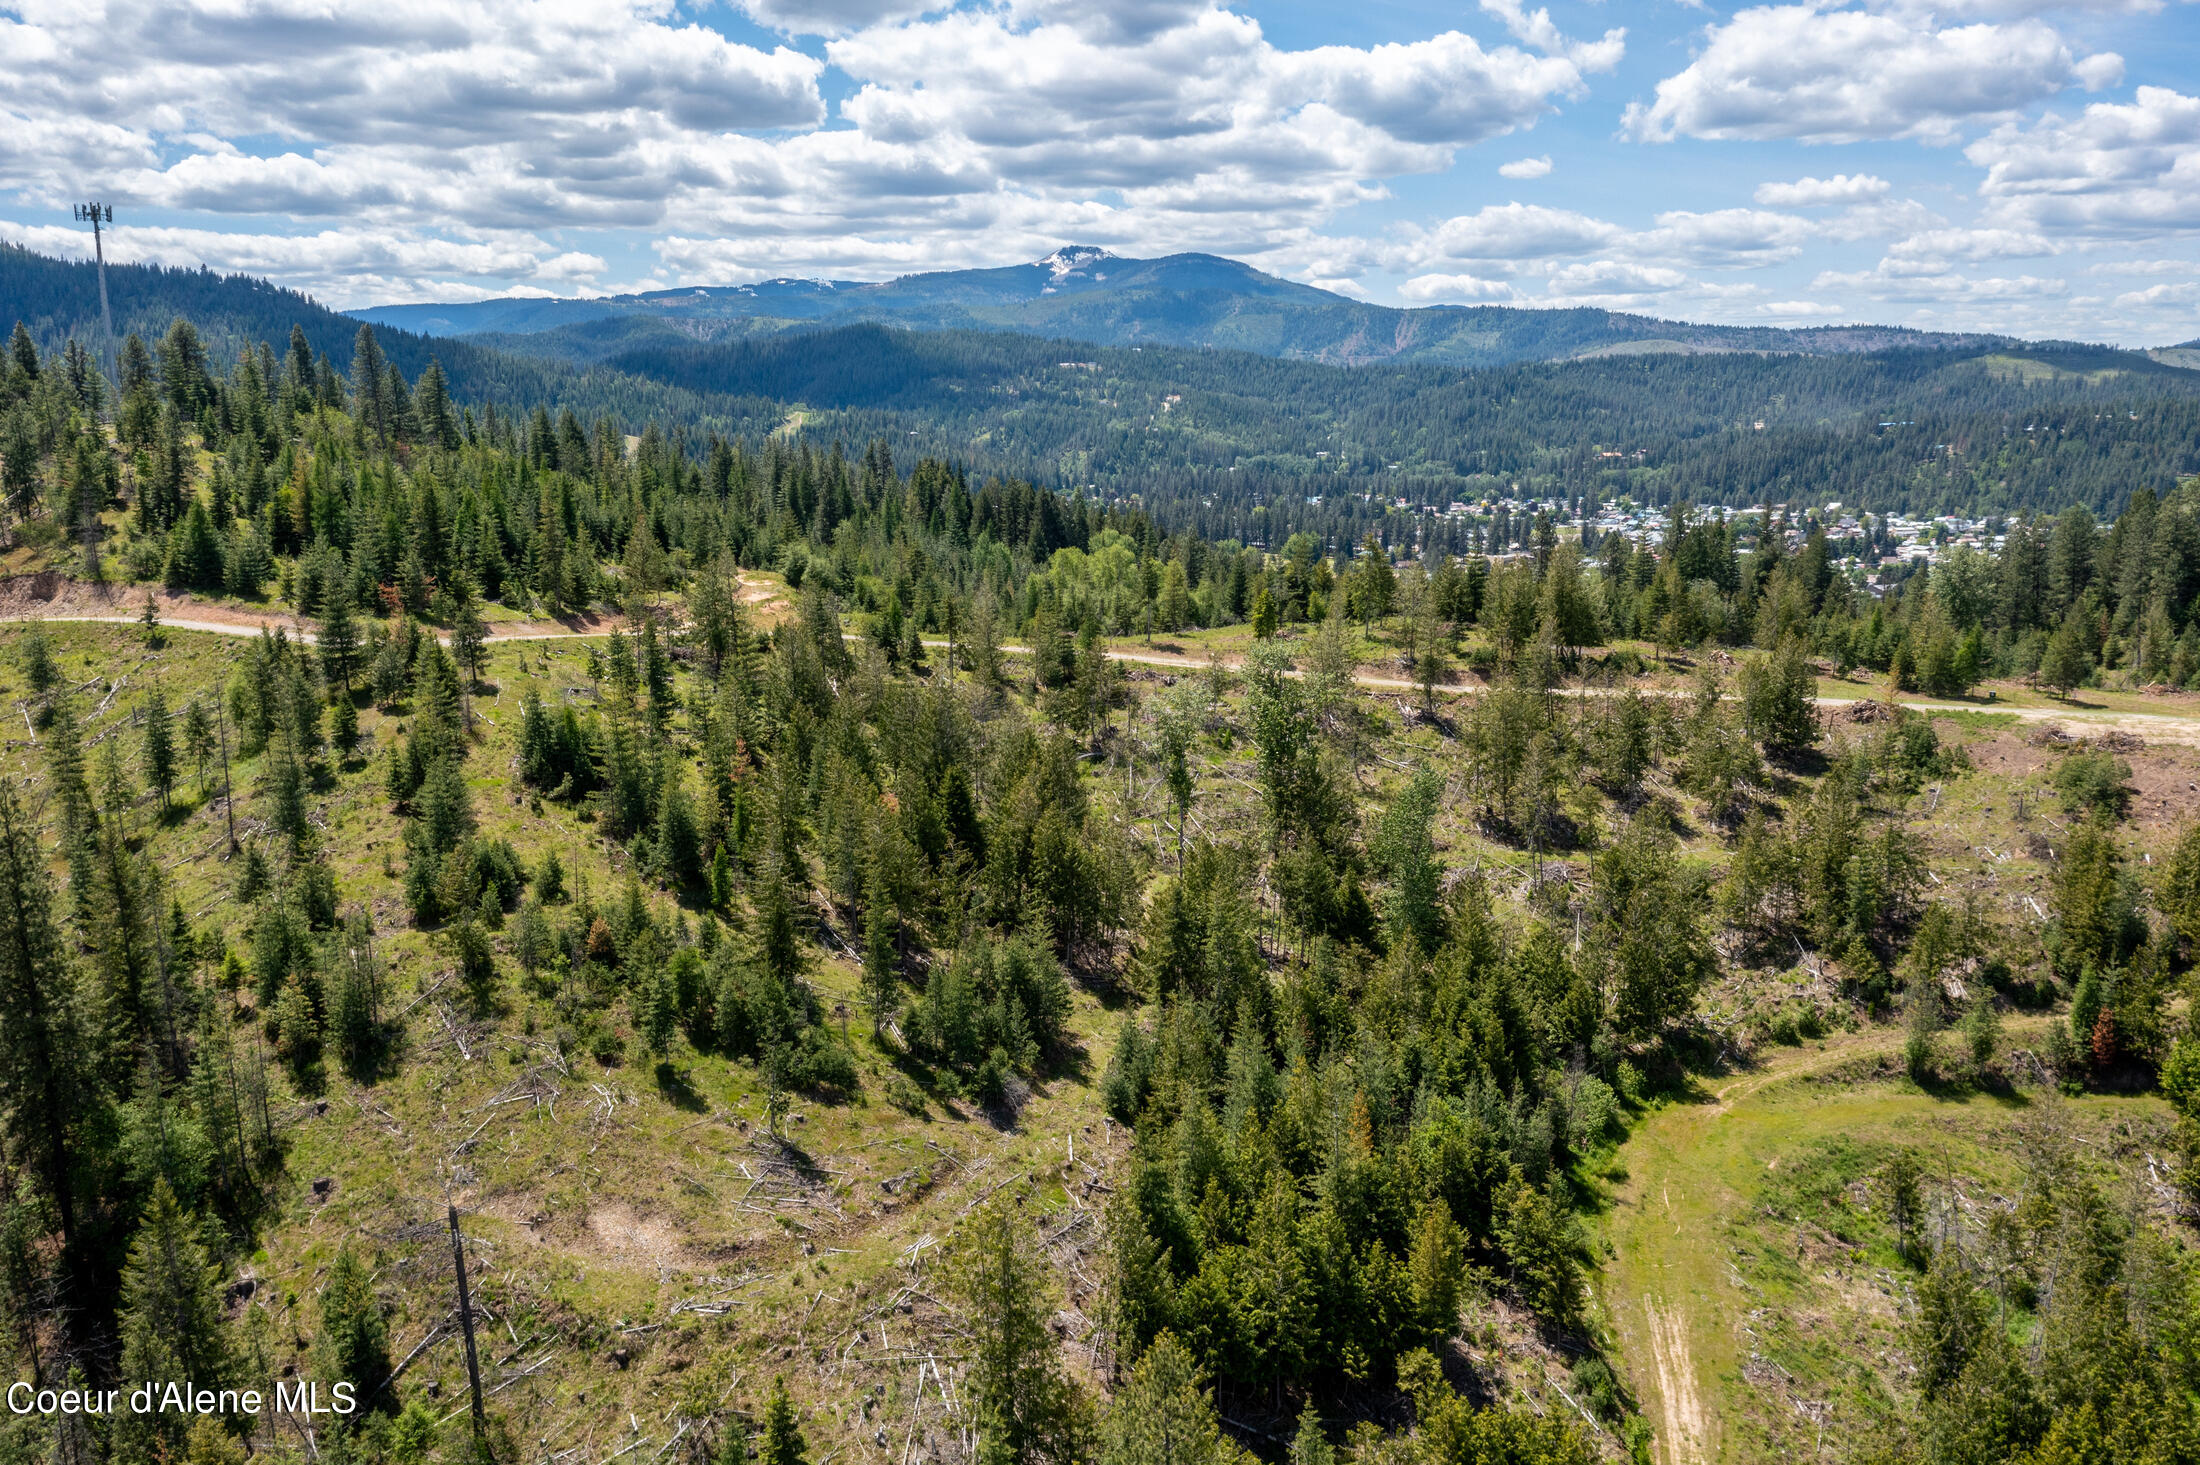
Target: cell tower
[{"x": 97, "y": 214}]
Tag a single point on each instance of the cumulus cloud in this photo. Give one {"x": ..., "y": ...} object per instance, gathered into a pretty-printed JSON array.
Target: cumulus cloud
[
  {"x": 1515, "y": 238},
  {"x": 2014, "y": 9},
  {"x": 380, "y": 149},
  {"x": 1723, "y": 237},
  {"x": 1607, "y": 278},
  {"x": 1849, "y": 188},
  {"x": 342, "y": 267},
  {"x": 1816, "y": 74},
  {"x": 494, "y": 112},
  {"x": 963, "y": 132},
  {"x": 1935, "y": 251},
  {"x": 1455, "y": 290},
  {"x": 1513, "y": 233},
  {"x": 2117, "y": 169},
  {"x": 830, "y": 17},
  {"x": 2154, "y": 297},
  {"x": 1535, "y": 28}
]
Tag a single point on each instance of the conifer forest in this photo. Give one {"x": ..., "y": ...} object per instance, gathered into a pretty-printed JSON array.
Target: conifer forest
[{"x": 571, "y": 908}]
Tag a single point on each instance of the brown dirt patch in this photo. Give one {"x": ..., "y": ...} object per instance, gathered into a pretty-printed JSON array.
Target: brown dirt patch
[
  {"x": 627, "y": 1235},
  {"x": 2167, "y": 787},
  {"x": 2010, "y": 755}
]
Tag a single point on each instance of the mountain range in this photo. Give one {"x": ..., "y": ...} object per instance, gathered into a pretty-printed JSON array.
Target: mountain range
[
  {"x": 1082, "y": 293},
  {"x": 1245, "y": 443}
]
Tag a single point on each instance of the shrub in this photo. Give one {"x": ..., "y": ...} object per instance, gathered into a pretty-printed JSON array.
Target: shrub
[{"x": 2094, "y": 785}]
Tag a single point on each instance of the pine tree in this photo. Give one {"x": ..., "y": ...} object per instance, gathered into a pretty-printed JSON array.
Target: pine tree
[
  {"x": 22, "y": 361},
  {"x": 353, "y": 1344},
  {"x": 160, "y": 748},
  {"x": 369, "y": 405},
  {"x": 1904, "y": 1206},
  {"x": 19, "y": 460},
  {"x": 171, "y": 1321},
  {"x": 783, "y": 1442},
  {"x": 338, "y": 642},
  {"x": 2179, "y": 899},
  {"x": 344, "y": 732},
  {"x": 1162, "y": 1416},
  {"x": 469, "y": 632},
  {"x": 2069, "y": 658},
  {"x": 1779, "y": 698},
  {"x": 432, "y": 405},
  {"x": 733, "y": 1444},
  {"x": 1310, "y": 1446},
  {"x": 198, "y": 738},
  {"x": 779, "y": 948},
  {"x": 298, "y": 375},
  {"x": 1026, "y": 1408},
  {"x": 880, "y": 961},
  {"x": 2095, "y": 908},
  {"x": 49, "y": 1100},
  {"x": 195, "y": 559}
]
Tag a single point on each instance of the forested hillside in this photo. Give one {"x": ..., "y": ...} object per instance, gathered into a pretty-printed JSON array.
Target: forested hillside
[
  {"x": 1232, "y": 445},
  {"x": 855, "y": 1014}
]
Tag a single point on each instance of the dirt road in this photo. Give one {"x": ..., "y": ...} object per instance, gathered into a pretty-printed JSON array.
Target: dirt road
[{"x": 53, "y": 597}]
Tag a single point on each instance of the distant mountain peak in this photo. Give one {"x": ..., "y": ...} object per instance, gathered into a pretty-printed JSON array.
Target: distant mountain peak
[{"x": 1071, "y": 258}]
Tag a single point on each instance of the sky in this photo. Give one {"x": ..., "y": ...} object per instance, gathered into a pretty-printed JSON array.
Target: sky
[{"x": 2026, "y": 166}]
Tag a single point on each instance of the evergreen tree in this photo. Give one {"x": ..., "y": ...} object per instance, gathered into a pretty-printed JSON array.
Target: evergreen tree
[
  {"x": 171, "y": 1321},
  {"x": 1779, "y": 697},
  {"x": 733, "y": 1444},
  {"x": 353, "y": 1344},
  {"x": 1161, "y": 1416},
  {"x": 49, "y": 1096},
  {"x": 2095, "y": 907},
  {"x": 881, "y": 963},
  {"x": 195, "y": 560},
  {"x": 159, "y": 748},
  {"x": 469, "y": 632},
  {"x": 369, "y": 387},
  {"x": 783, "y": 1443},
  {"x": 198, "y": 738},
  {"x": 2069, "y": 658},
  {"x": 432, "y": 406},
  {"x": 338, "y": 641},
  {"x": 19, "y": 459},
  {"x": 22, "y": 371},
  {"x": 1026, "y": 1408}
]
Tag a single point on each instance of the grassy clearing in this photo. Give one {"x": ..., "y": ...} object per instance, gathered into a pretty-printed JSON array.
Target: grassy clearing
[{"x": 1747, "y": 1265}]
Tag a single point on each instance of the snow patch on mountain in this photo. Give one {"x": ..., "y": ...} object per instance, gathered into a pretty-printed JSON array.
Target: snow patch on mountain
[{"x": 1071, "y": 259}]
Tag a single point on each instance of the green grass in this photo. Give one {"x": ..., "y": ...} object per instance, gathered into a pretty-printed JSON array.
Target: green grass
[{"x": 1750, "y": 1222}]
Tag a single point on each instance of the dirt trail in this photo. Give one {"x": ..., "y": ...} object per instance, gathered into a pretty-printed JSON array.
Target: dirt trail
[
  {"x": 2160, "y": 727},
  {"x": 1660, "y": 1291},
  {"x": 1682, "y": 1406},
  {"x": 53, "y": 597},
  {"x": 1668, "y": 1287},
  {"x": 50, "y": 596}
]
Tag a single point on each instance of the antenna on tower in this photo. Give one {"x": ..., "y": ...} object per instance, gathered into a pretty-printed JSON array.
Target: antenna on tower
[{"x": 96, "y": 214}]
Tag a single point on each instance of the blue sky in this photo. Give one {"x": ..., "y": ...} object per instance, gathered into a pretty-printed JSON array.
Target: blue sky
[{"x": 2017, "y": 165}]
